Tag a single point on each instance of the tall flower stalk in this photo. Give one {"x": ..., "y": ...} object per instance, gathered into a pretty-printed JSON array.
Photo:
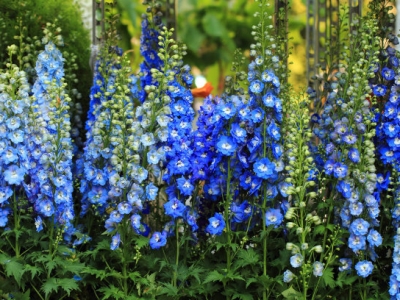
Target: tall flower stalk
[
  {"x": 50, "y": 188},
  {"x": 346, "y": 129},
  {"x": 14, "y": 106}
]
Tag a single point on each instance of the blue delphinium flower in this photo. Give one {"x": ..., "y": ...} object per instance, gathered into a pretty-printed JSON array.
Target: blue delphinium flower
[
  {"x": 273, "y": 217},
  {"x": 217, "y": 224},
  {"x": 115, "y": 241},
  {"x": 158, "y": 240},
  {"x": 296, "y": 260},
  {"x": 174, "y": 208},
  {"x": 263, "y": 168},
  {"x": 226, "y": 145},
  {"x": 364, "y": 268},
  {"x": 345, "y": 264},
  {"x": 288, "y": 276},
  {"x": 256, "y": 86},
  {"x": 318, "y": 268}
]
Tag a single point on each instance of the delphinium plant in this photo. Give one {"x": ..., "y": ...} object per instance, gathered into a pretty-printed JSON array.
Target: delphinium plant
[
  {"x": 109, "y": 172},
  {"x": 166, "y": 110},
  {"x": 37, "y": 167},
  {"x": 311, "y": 261},
  {"x": 385, "y": 89},
  {"x": 144, "y": 132},
  {"x": 16, "y": 224},
  {"x": 394, "y": 286},
  {"x": 243, "y": 172},
  {"x": 49, "y": 187},
  {"x": 346, "y": 130}
]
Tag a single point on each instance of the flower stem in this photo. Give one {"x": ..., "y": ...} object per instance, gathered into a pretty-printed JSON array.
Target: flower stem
[
  {"x": 124, "y": 259},
  {"x": 17, "y": 248},
  {"x": 227, "y": 224},
  {"x": 177, "y": 256}
]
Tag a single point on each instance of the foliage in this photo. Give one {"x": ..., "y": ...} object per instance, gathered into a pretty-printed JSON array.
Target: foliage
[{"x": 271, "y": 195}]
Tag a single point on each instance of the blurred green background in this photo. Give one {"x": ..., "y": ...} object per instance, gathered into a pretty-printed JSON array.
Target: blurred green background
[{"x": 212, "y": 30}]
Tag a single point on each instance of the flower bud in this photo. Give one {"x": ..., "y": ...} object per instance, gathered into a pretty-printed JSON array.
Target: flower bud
[
  {"x": 318, "y": 249},
  {"x": 290, "y": 225},
  {"x": 289, "y": 246}
]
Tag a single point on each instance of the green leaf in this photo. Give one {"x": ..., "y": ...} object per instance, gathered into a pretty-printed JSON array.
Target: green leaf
[
  {"x": 247, "y": 257},
  {"x": 134, "y": 276},
  {"x": 327, "y": 277},
  {"x": 250, "y": 281},
  {"x": 345, "y": 279},
  {"x": 265, "y": 281},
  {"x": 71, "y": 266},
  {"x": 112, "y": 292},
  {"x": 14, "y": 269},
  {"x": 320, "y": 229},
  {"x": 243, "y": 296},
  {"x": 214, "y": 276},
  {"x": 234, "y": 276},
  {"x": 142, "y": 241},
  {"x": 292, "y": 294},
  {"x": 212, "y": 25},
  {"x": 169, "y": 290},
  {"x": 100, "y": 274},
  {"x": 34, "y": 270},
  {"x": 195, "y": 272},
  {"x": 282, "y": 260},
  {"x": 50, "y": 286},
  {"x": 68, "y": 285},
  {"x": 50, "y": 265},
  {"x": 22, "y": 296}
]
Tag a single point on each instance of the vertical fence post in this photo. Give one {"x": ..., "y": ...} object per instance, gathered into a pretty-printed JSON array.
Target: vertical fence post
[
  {"x": 322, "y": 29},
  {"x": 98, "y": 25},
  {"x": 355, "y": 9},
  {"x": 310, "y": 39},
  {"x": 171, "y": 16},
  {"x": 281, "y": 27}
]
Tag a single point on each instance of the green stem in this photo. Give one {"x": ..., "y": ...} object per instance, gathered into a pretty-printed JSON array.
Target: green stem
[
  {"x": 125, "y": 279},
  {"x": 365, "y": 289},
  {"x": 177, "y": 255},
  {"x": 124, "y": 260},
  {"x": 37, "y": 292},
  {"x": 17, "y": 247},
  {"x": 51, "y": 224},
  {"x": 326, "y": 232},
  {"x": 227, "y": 224}
]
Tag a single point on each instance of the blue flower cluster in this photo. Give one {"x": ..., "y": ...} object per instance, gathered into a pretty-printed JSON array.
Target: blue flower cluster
[
  {"x": 231, "y": 147},
  {"x": 345, "y": 129},
  {"x": 14, "y": 162},
  {"x": 394, "y": 280},
  {"x": 349, "y": 161},
  {"x": 49, "y": 144},
  {"x": 386, "y": 88},
  {"x": 388, "y": 130},
  {"x": 149, "y": 50},
  {"x": 93, "y": 166},
  {"x": 168, "y": 109}
]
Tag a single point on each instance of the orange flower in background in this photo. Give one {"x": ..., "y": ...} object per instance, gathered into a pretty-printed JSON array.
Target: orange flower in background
[{"x": 203, "y": 91}]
